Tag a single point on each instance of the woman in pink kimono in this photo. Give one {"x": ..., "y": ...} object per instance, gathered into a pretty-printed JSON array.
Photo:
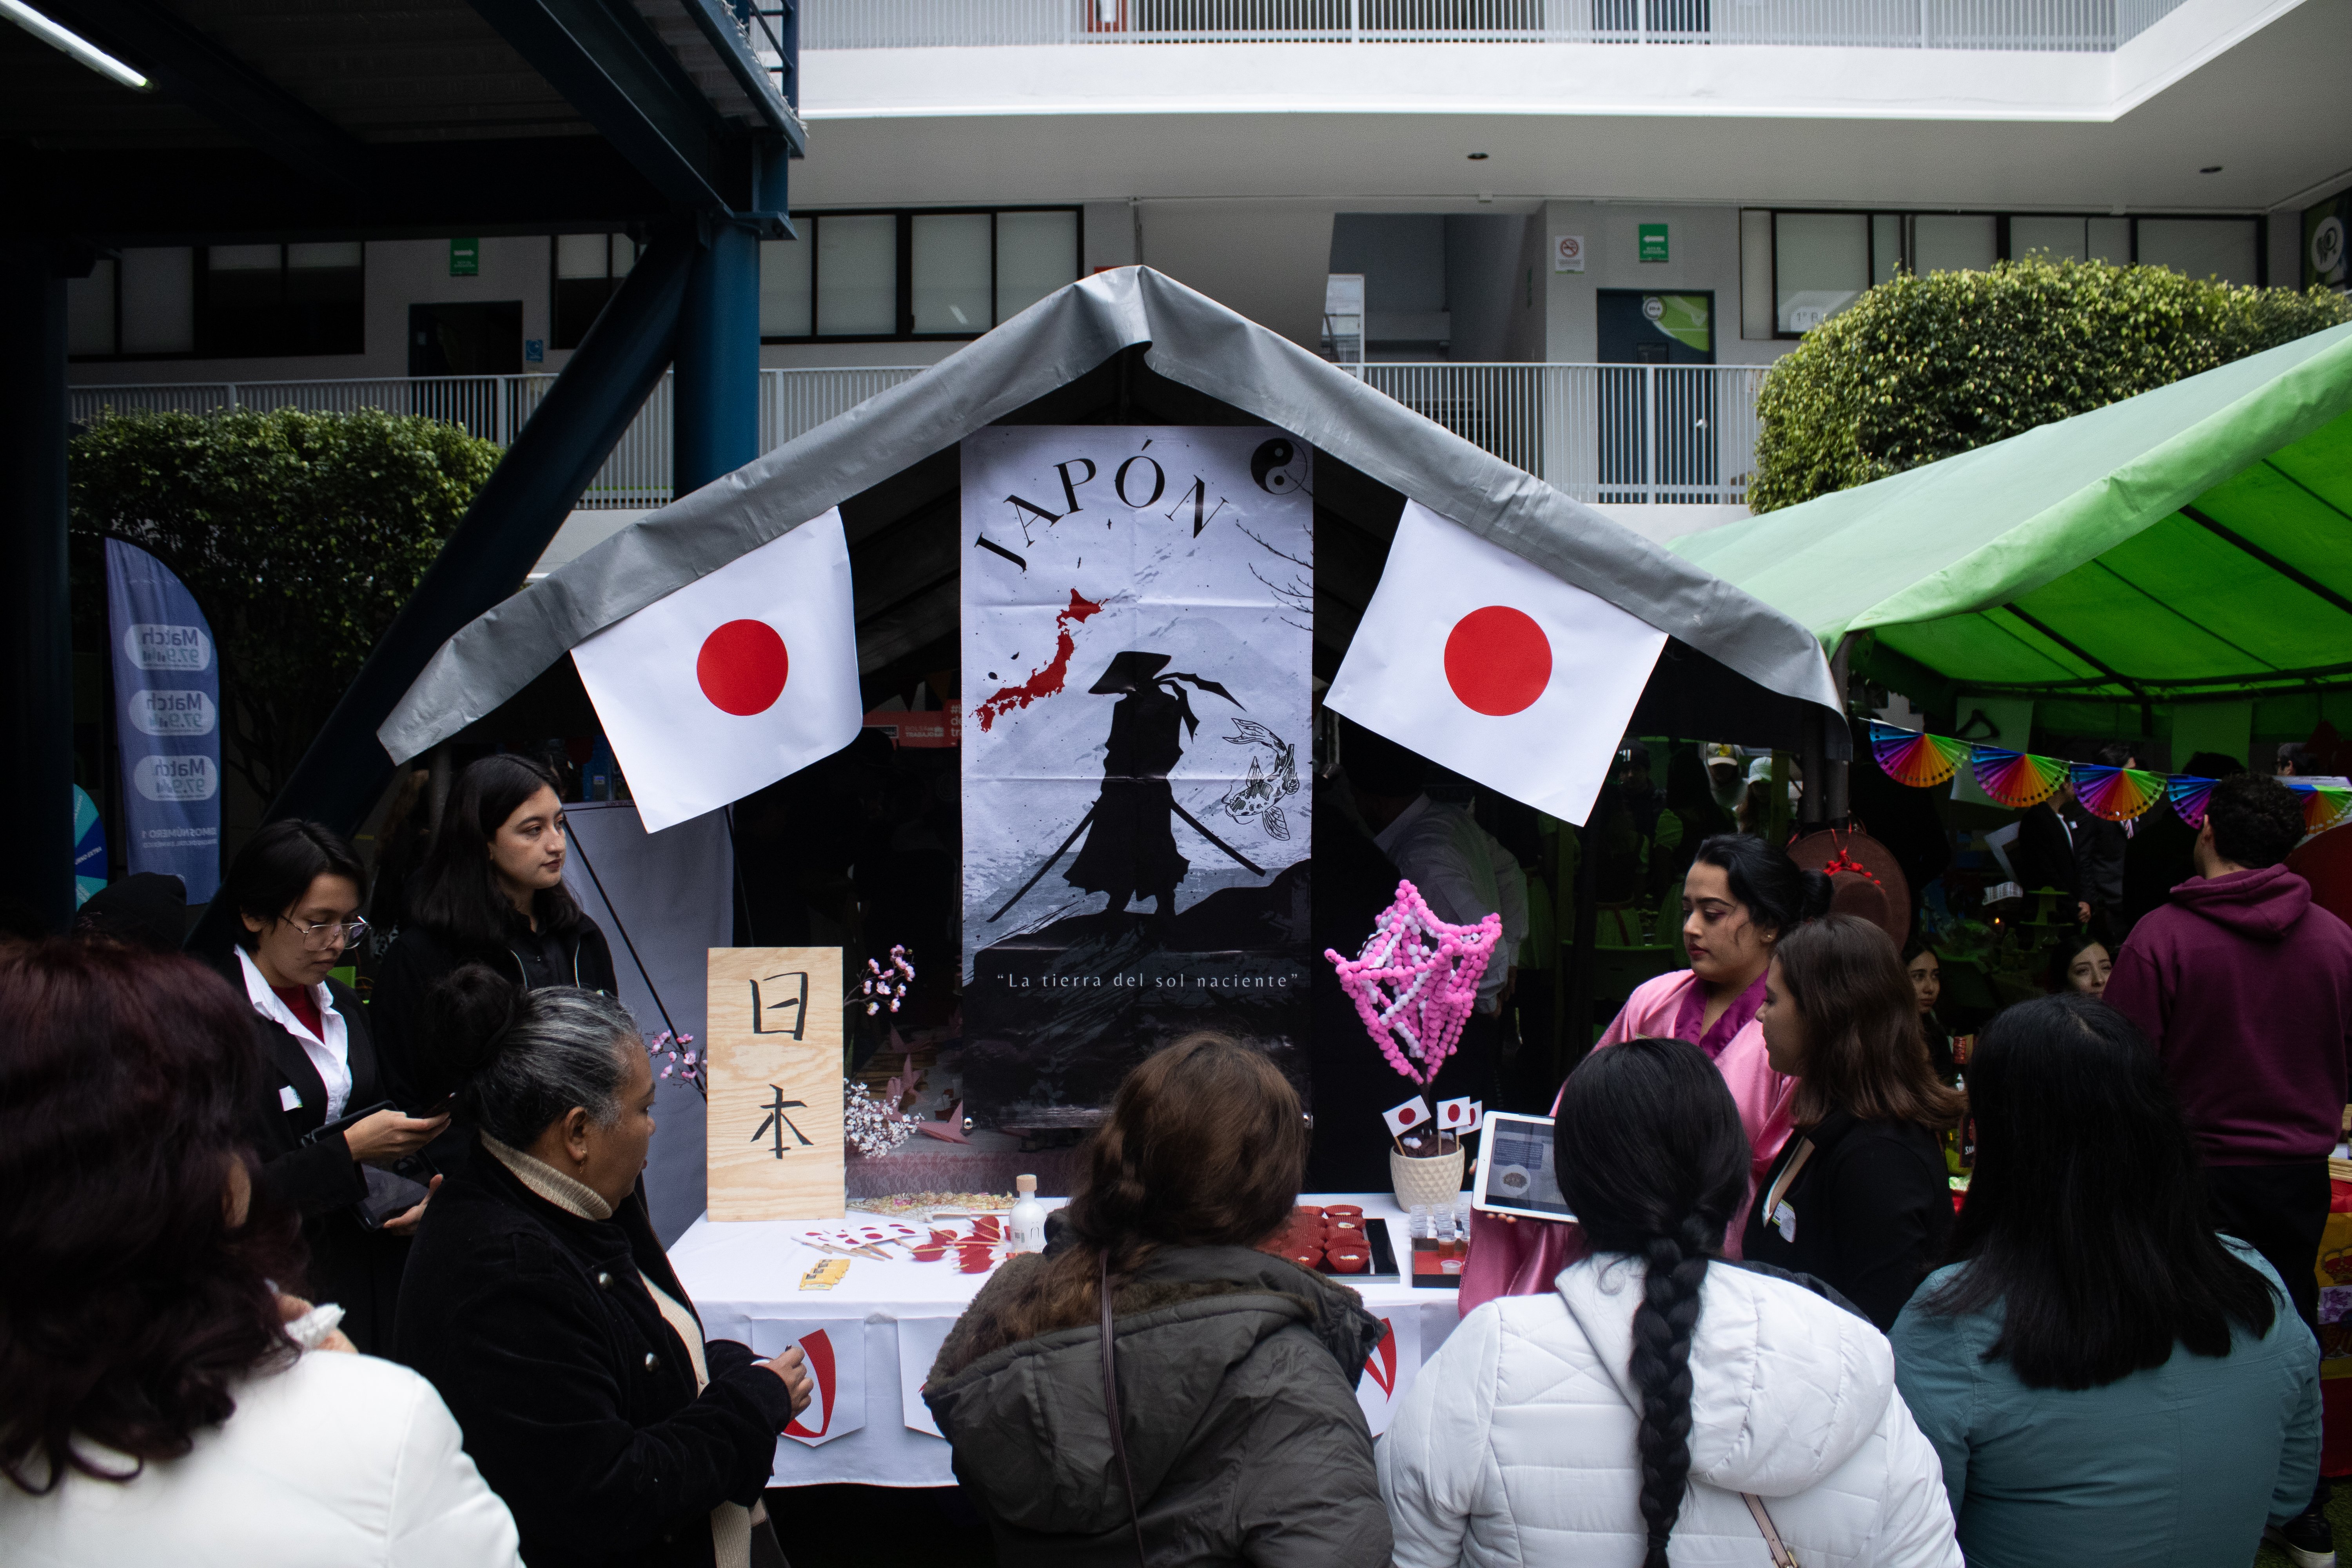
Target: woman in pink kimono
[{"x": 1740, "y": 898}]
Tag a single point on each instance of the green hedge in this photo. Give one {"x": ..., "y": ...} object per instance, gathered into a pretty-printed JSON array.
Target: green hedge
[
  {"x": 1920, "y": 368},
  {"x": 300, "y": 534}
]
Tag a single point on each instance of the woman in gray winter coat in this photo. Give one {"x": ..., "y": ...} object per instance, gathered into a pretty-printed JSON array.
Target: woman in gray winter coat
[{"x": 1238, "y": 1438}]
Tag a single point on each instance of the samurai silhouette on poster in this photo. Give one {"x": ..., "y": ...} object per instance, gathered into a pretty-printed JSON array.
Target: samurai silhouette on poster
[
  {"x": 1135, "y": 842},
  {"x": 1130, "y": 837}
]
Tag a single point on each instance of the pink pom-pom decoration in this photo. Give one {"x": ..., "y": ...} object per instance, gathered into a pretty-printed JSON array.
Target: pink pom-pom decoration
[{"x": 1416, "y": 983}]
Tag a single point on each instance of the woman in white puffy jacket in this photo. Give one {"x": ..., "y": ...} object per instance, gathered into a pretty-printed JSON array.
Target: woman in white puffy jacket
[
  {"x": 1659, "y": 1393},
  {"x": 156, "y": 1404}
]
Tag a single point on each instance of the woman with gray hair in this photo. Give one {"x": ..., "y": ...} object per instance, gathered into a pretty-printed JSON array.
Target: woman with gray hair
[{"x": 539, "y": 1303}]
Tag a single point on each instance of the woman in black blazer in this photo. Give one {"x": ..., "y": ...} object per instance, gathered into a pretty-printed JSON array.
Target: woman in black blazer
[
  {"x": 540, "y": 1304},
  {"x": 491, "y": 893},
  {"x": 1860, "y": 1198},
  {"x": 295, "y": 889}
]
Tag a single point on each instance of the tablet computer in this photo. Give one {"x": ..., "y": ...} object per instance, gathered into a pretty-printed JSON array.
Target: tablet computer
[{"x": 1515, "y": 1169}]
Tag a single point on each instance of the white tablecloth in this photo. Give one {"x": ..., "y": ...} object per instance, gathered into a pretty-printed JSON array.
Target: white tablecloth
[{"x": 872, "y": 1339}]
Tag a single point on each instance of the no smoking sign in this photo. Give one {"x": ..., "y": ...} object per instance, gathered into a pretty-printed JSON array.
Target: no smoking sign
[{"x": 1567, "y": 253}]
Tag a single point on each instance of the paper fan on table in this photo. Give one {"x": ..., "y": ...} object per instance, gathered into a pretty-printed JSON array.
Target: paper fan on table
[
  {"x": 2323, "y": 806},
  {"x": 2015, "y": 779},
  {"x": 2188, "y": 793},
  {"x": 1917, "y": 760},
  {"x": 2119, "y": 794}
]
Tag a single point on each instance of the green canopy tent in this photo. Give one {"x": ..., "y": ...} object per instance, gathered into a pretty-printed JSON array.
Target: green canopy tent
[{"x": 2190, "y": 544}]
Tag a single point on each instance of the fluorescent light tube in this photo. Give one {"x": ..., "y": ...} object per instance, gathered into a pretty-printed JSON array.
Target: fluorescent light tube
[{"x": 74, "y": 44}]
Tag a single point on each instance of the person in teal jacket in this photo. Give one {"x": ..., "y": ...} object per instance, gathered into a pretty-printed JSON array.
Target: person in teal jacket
[{"x": 2107, "y": 1379}]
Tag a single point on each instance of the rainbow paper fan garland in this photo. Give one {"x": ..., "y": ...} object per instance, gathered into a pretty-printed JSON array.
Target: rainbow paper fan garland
[
  {"x": 1921, "y": 761},
  {"x": 2015, "y": 779},
  {"x": 2190, "y": 792},
  {"x": 2323, "y": 806},
  {"x": 2020, "y": 779},
  {"x": 2119, "y": 794}
]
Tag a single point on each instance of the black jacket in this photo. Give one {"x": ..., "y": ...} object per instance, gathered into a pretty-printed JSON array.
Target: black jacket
[
  {"x": 577, "y": 1402},
  {"x": 420, "y": 960},
  {"x": 1871, "y": 1212},
  {"x": 353, "y": 1266},
  {"x": 2043, "y": 853},
  {"x": 1236, "y": 1381}
]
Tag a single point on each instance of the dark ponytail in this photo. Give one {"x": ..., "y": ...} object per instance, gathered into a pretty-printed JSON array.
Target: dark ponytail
[
  {"x": 520, "y": 1059},
  {"x": 1780, "y": 897},
  {"x": 1652, "y": 1159}
]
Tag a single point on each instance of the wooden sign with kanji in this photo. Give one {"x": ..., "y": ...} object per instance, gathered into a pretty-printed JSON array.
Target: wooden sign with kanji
[{"x": 772, "y": 1039}]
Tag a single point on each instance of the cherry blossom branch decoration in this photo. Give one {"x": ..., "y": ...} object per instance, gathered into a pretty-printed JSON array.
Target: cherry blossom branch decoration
[
  {"x": 677, "y": 1058},
  {"x": 1417, "y": 982},
  {"x": 884, "y": 985}
]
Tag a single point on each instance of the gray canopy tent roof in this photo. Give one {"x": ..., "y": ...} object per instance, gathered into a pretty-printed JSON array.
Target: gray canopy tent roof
[{"x": 1134, "y": 346}]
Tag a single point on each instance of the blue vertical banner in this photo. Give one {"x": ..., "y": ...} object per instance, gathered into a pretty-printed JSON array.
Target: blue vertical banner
[
  {"x": 167, "y": 681},
  {"x": 89, "y": 847}
]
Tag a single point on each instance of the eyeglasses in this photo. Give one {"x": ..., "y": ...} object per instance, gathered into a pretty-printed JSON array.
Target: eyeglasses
[{"x": 330, "y": 934}]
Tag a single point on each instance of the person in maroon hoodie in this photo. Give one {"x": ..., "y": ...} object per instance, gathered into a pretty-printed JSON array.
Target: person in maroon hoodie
[{"x": 2244, "y": 986}]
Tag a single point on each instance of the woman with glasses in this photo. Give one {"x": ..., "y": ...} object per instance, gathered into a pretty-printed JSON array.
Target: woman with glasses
[
  {"x": 296, "y": 890},
  {"x": 491, "y": 893}
]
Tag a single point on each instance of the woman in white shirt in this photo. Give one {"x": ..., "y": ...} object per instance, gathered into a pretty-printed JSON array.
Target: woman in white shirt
[
  {"x": 159, "y": 1404},
  {"x": 295, "y": 889}
]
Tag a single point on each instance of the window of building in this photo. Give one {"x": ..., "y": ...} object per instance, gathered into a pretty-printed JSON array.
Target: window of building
[
  {"x": 260, "y": 300},
  {"x": 1821, "y": 261},
  {"x": 1821, "y": 264},
  {"x": 224, "y": 301},
  {"x": 935, "y": 274},
  {"x": 589, "y": 269},
  {"x": 2226, "y": 249}
]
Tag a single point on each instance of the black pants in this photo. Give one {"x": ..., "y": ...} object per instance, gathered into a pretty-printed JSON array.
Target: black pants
[{"x": 2280, "y": 1211}]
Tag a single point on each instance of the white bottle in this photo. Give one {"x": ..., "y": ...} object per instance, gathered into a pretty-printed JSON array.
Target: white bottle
[{"x": 1028, "y": 1220}]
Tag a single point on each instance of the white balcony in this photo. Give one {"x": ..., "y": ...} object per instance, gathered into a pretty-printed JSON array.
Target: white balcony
[
  {"x": 2081, "y": 26},
  {"x": 1611, "y": 435}
]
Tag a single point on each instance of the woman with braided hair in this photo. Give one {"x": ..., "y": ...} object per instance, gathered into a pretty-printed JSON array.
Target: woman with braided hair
[{"x": 1660, "y": 1404}]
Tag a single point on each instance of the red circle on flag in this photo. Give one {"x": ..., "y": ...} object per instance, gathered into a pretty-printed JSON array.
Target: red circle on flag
[
  {"x": 1407, "y": 1114},
  {"x": 1498, "y": 660},
  {"x": 743, "y": 668}
]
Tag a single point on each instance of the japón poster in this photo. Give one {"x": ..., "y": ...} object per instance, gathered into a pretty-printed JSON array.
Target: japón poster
[{"x": 1137, "y": 627}]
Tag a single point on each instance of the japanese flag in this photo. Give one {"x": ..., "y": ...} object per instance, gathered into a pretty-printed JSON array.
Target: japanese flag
[
  {"x": 1403, "y": 1118},
  {"x": 1455, "y": 1115},
  {"x": 1488, "y": 664},
  {"x": 733, "y": 681}
]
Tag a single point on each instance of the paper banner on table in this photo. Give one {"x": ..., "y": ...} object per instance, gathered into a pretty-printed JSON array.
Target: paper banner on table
[
  {"x": 920, "y": 1340},
  {"x": 834, "y": 1349},
  {"x": 1390, "y": 1370}
]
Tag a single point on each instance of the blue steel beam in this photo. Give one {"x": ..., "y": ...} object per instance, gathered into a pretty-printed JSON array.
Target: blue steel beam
[
  {"x": 601, "y": 55},
  {"x": 723, "y": 24},
  {"x": 506, "y": 528},
  {"x": 36, "y": 875},
  {"x": 716, "y": 392}
]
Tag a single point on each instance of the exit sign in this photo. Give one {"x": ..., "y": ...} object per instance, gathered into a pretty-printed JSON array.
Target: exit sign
[
  {"x": 1654, "y": 241},
  {"x": 466, "y": 256}
]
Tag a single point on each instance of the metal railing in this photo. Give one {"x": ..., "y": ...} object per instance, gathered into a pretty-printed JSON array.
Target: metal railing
[
  {"x": 494, "y": 408},
  {"x": 1621, "y": 434},
  {"x": 2094, "y": 25},
  {"x": 1606, "y": 433}
]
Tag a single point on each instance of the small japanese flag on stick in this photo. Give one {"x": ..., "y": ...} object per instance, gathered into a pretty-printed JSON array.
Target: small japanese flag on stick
[
  {"x": 1409, "y": 1117},
  {"x": 1483, "y": 659},
  {"x": 1454, "y": 1116},
  {"x": 741, "y": 677}
]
